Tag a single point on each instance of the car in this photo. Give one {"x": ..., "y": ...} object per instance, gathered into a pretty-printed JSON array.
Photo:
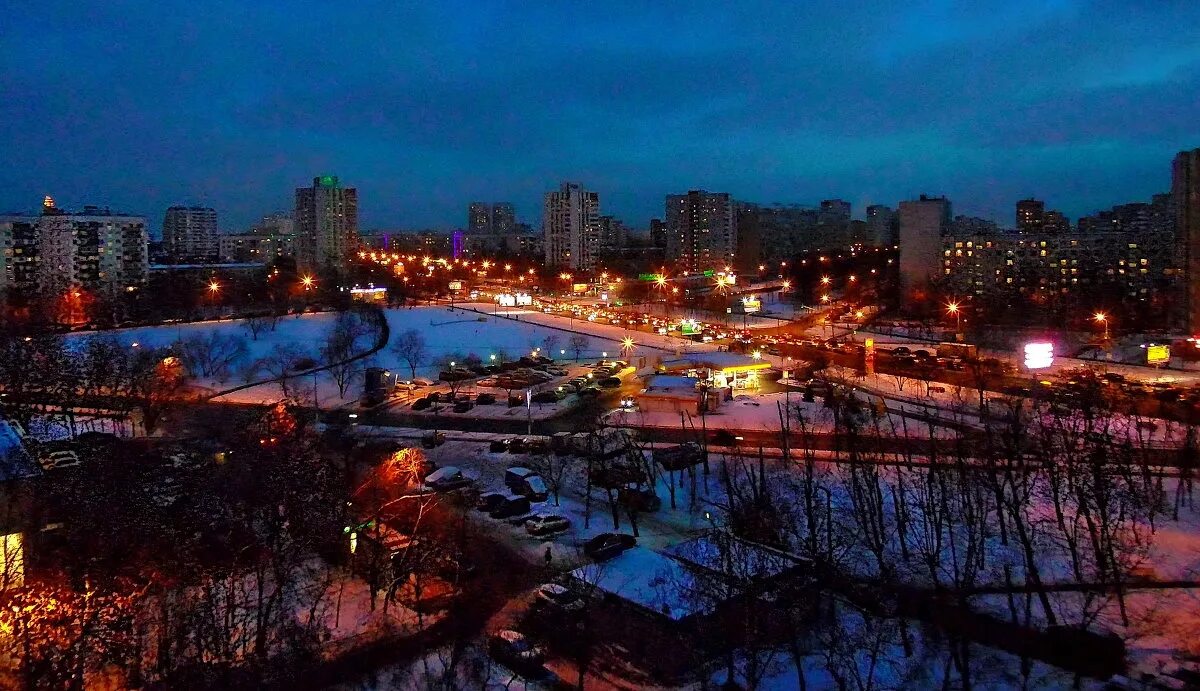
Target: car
[
  {"x": 57, "y": 460},
  {"x": 422, "y": 404},
  {"x": 559, "y": 597},
  {"x": 537, "y": 446},
  {"x": 608, "y": 545},
  {"x": 447, "y": 479},
  {"x": 499, "y": 445},
  {"x": 511, "y": 507},
  {"x": 569, "y": 387},
  {"x": 516, "y": 650},
  {"x": 485, "y": 399},
  {"x": 557, "y": 371},
  {"x": 515, "y": 476},
  {"x": 516, "y": 445},
  {"x": 545, "y": 397},
  {"x": 463, "y": 406},
  {"x": 490, "y": 501},
  {"x": 610, "y": 383},
  {"x": 433, "y": 440},
  {"x": 545, "y": 525},
  {"x": 589, "y": 392}
]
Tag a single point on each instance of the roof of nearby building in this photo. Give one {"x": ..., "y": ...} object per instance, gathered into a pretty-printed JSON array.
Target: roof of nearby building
[
  {"x": 643, "y": 577},
  {"x": 15, "y": 461},
  {"x": 667, "y": 382},
  {"x": 720, "y": 359}
]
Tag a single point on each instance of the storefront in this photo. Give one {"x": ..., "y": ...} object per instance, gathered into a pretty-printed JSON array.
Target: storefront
[{"x": 720, "y": 370}]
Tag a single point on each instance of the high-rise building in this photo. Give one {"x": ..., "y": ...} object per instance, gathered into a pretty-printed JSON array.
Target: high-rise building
[
  {"x": 479, "y": 218},
  {"x": 570, "y": 223},
  {"x": 922, "y": 223},
  {"x": 882, "y": 225},
  {"x": 190, "y": 234},
  {"x": 1185, "y": 197},
  {"x": 57, "y": 251},
  {"x": 504, "y": 218},
  {"x": 658, "y": 233},
  {"x": 326, "y": 221},
  {"x": 701, "y": 230},
  {"x": 1031, "y": 215},
  {"x": 612, "y": 233}
]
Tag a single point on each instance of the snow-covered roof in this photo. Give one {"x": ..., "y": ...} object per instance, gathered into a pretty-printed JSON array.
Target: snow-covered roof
[
  {"x": 743, "y": 561},
  {"x": 15, "y": 461},
  {"x": 645, "y": 578},
  {"x": 665, "y": 382},
  {"x": 716, "y": 360}
]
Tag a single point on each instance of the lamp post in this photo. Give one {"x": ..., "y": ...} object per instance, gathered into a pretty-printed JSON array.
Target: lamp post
[
  {"x": 1102, "y": 318},
  {"x": 954, "y": 309}
]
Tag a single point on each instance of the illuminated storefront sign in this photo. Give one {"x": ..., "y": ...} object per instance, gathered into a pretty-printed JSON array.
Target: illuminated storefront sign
[{"x": 1039, "y": 355}]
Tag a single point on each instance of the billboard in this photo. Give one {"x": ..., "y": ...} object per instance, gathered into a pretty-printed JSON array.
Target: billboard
[
  {"x": 689, "y": 327},
  {"x": 1158, "y": 354},
  {"x": 1039, "y": 355},
  {"x": 523, "y": 299},
  {"x": 456, "y": 285},
  {"x": 751, "y": 304},
  {"x": 506, "y": 300},
  {"x": 579, "y": 288}
]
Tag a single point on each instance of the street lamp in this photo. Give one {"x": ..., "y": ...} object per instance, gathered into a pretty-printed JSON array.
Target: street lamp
[
  {"x": 307, "y": 282},
  {"x": 213, "y": 287},
  {"x": 952, "y": 308},
  {"x": 1103, "y": 319}
]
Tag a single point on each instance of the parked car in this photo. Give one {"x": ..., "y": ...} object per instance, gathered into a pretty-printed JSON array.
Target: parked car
[
  {"x": 537, "y": 446},
  {"x": 559, "y": 597},
  {"x": 58, "y": 460},
  {"x": 511, "y": 507},
  {"x": 515, "y": 476},
  {"x": 545, "y": 525},
  {"x": 499, "y": 445},
  {"x": 485, "y": 399},
  {"x": 514, "y": 649},
  {"x": 589, "y": 392},
  {"x": 516, "y": 445},
  {"x": 490, "y": 501},
  {"x": 433, "y": 439},
  {"x": 640, "y": 498},
  {"x": 463, "y": 406},
  {"x": 447, "y": 479},
  {"x": 422, "y": 404},
  {"x": 546, "y": 397},
  {"x": 608, "y": 545},
  {"x": 610, "y": 383}
]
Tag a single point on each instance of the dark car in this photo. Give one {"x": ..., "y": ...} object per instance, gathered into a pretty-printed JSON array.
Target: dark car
[
  {"x": 485, "y": 399},
  {"x": 610, "y": 383},
  {"x": 490, "y": 501},
  {"x": 545, "y": 397},
  {"x": 463, "y": 406},
  {"x": 515, "y": 650},
  {"x": 511, "y": 507},
  {"x": 499, "y": 445},
  {"x": 433, "y": 439},
  {"x": 537, "y": 446},
  {"x": 608, "y": 545},
  {"x": 516, "y": 445},
  {"x": 422, "y": 404}
]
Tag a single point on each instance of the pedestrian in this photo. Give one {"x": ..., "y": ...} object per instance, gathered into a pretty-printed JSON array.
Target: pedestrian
[{"x": 549, "y": 557}]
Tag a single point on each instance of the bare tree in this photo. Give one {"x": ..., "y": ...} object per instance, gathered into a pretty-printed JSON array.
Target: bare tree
[
  {"x": 410, "y": 347},
  {"x": 211, "y": 355},
  {"x": 550, "y": 344},
  {"x": 258, "y": 323},
  {"x": 279, "y": 364},
  {"x": 554, "y": 469},
  {"x": 579, "y": 343}
]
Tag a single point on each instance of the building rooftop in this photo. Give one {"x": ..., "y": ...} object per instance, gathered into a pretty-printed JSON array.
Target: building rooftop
[
  {"x": 722, "y": 360},
  {"x": 668, "y": 382}
]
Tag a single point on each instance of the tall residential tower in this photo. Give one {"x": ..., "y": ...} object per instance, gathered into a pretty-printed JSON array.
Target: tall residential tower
[{"x": 326, "y": 222}]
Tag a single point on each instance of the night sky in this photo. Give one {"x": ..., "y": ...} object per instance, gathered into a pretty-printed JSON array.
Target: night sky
[{"x": 426, "y": 106}]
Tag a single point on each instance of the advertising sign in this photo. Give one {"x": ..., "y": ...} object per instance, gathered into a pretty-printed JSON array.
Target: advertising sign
[
  {"x": 456, "y": 285},
  {"x": 523, "y": 299},
  {"x": 1039, "y": 355},
  {"x": 506, "y": 300},
  {"x": 1158, "y": 354},
  {"x": 751, "y": 304},
  {"x": 689, "y": 327}
]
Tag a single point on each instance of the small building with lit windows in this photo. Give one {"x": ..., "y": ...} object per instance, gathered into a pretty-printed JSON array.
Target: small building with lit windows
[{"x": 720, "y": 369}]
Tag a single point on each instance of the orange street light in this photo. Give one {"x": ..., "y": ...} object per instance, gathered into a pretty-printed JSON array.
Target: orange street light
[
  {"x": 307, "y": 282},
  {"x": 952, "y": 308},
  {"x": 213, "y": 287},
  {"x": 1103, "y": 319},
  {"x": 824, "y": 280}
]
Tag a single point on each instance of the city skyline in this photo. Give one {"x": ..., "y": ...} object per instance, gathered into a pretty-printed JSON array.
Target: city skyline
[{"x": 860, "y": 103}]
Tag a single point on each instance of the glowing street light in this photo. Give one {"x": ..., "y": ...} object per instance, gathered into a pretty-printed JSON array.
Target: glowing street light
[
  {"x": 825, "y": 298},
  {"x": 492, "y": 357},
  {"x": 213, "y": 287},
  {"x": 953, "y": 308},
  {"x": 307, "y": 282},
  {"x": 824, "y": 280},
  {"x": 626, "y": 345},
  {"x": 757, "y": 355},
  {"x": 1102, "y": 318}
]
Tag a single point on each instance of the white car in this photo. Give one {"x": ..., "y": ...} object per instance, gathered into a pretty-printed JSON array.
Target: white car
[{"x": 544, "y": 525}]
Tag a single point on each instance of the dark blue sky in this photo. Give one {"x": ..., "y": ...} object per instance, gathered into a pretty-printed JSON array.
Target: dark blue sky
[{"x": 425, "y": 106}]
